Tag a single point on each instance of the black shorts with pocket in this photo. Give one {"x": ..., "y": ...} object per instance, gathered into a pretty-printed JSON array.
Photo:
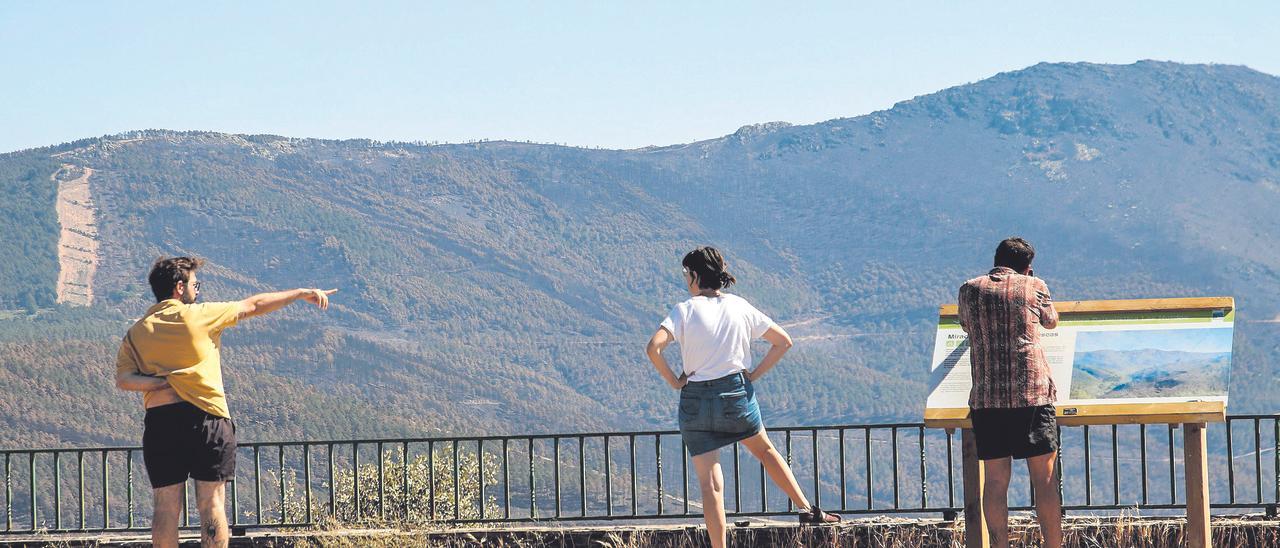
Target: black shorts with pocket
[
  {"x": 1018, "y": 432},
  {"x": 182, "y": 440}
]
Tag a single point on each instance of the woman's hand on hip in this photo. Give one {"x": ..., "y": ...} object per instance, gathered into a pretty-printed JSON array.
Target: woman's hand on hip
[{"x": 679, "y": 382}]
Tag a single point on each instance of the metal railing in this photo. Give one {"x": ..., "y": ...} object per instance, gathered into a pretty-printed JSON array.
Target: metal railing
[{"x": 853, "y": 469}]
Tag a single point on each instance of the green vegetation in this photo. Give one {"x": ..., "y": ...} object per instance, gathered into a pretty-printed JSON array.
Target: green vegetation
[{"x": 30, "y": 228}]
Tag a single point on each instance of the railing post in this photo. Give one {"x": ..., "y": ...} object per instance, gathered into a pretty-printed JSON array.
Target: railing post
[
  {"x": 924, "y": 473},
  {"x": 355, "y": 482},
  {"x": 684, "y": 474},
  {"x": 608, "y": 480},
  {"x": 480, "y": 474},
  {"x": 333, "y": 503},
  {"x": 657, "y": 456},
  {"x": 870, "y": 468},
  {"x": 382, "y": 482},
  {"x": 506, "y": 481},
  {"x": 975, "y": 524},
  {"x": 582, "y": 473},
  {"x": 951, "y": 479},
  {"x": 456, "y": 486},
  {"x": 106, "y": 497},
  {"x": 555, "y": 472},
  {"x": 1142, "y": 433},
  {"x": 128, "y": 460},
  {"x": 533, "y": 501},
  {"x": 31, "y": 465},
  {"x": 631, "y": 439},
  {"x": 8, "y": 494},
  {"x": 57, "y": 489},
  {"x": 280, "y": 459},
  {"x": 306, "y": 479},
  {"x": 1257, "y": 456},
  {"x": 404, "y": 482},
  {"x": 894, "y": 434},
  {"x": 843, "y": 485},
  {"x": 257, "y": 485},
  {"x": 737, "y": 480},
  {"x": 1231, "y": 466}
]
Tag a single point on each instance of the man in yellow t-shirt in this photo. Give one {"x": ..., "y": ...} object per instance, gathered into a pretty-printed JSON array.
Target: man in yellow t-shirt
[{"x": 171, "y": 356}]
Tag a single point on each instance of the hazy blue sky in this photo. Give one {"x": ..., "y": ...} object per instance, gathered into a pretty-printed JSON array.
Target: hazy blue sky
[
  {"x": 611, "y": 74},
  {"x": 1185, "y": 340}
]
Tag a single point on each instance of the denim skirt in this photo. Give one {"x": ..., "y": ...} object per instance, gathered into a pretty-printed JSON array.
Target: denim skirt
[{"x": 718, "y": 412}]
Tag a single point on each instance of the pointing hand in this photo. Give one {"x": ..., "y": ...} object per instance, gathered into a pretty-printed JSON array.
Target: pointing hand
[{"x": 319, "y": 297}]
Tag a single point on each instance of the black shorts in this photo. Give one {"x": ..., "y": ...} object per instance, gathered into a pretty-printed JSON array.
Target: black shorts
[
  {"x": 1018, "y": 432},
  {"x": 181, "y": 441}
]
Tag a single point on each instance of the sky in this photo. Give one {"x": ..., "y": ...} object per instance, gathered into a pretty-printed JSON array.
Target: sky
[
  {"x": 595, "y": 74},
  {"x": 1181, "y": 340}
]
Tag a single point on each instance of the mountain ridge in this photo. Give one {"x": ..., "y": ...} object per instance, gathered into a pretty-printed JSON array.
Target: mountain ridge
[{"x": 531, "y": 274}]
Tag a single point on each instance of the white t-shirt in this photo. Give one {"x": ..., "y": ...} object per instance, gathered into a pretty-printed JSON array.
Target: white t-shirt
[{"x": 715, "y": 334}]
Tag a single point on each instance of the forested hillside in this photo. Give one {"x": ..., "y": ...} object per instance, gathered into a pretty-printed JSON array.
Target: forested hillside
[{"x": 506, "y": 287}]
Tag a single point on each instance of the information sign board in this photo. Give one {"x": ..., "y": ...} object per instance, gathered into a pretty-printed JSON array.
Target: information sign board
[{"x": 1131, "y": 361}]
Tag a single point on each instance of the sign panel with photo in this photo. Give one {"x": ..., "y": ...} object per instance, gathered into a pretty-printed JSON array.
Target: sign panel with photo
[{"x": 1150, "y": 360}]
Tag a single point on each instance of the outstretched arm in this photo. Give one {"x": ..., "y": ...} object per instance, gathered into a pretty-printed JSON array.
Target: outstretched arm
[
  {"x": 657, "y": 343},
  {"x": 781, "y": 342},
  {"x": 265, "y": 303}
]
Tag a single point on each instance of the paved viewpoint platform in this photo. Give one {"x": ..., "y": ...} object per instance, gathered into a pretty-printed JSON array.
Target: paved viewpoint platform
[{"x": 1081, "y": 532}]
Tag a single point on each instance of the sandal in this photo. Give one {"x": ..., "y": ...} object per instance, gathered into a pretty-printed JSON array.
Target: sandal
[{"x": 815, "y": 516}]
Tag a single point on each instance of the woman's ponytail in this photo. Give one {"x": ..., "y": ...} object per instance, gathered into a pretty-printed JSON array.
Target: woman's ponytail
[{"x": 726, "y": 279}]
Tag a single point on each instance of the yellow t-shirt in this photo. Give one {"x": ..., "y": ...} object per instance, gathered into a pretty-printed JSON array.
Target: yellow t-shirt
[{"x": 181, "y": 342}]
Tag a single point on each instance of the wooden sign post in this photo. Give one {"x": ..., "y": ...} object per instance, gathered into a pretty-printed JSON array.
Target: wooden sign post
[
  {"x": 1115, "y": 327},
  {"x": 1196, "y": 464},
  {"x": 975, "y": 523}
]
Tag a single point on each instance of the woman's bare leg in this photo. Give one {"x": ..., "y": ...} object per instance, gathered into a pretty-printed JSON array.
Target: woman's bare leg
[
  {"x": 776, "y": 466},
  {"x": 711, "y": 479}
]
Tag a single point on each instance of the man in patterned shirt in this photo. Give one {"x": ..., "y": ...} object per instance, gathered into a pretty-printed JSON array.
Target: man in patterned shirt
[{"x": 1011, "y": 402}]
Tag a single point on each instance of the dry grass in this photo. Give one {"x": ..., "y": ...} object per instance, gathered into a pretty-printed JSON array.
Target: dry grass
[{"x": 1123, "y": 531}]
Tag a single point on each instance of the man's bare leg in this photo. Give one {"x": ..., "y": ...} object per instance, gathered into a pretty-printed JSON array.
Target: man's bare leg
[
  {"x": 167, "y": 501},
  {"x": 1048, "y": 506},
  {"x": 711, "y": 480},
  {"x": 211, "y": 500},
  {"x": 995, "y": 499}
]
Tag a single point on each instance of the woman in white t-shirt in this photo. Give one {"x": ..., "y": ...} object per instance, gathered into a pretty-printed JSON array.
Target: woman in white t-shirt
[{"x": 717, "y": 398}]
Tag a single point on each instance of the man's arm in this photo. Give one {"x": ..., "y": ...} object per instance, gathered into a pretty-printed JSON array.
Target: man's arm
[
  {"x": 128, "y": 376},
  {"x": 137, "y": 382},
  {"x": 265, "y": 303},
  {"x": 962, "y": 309}
]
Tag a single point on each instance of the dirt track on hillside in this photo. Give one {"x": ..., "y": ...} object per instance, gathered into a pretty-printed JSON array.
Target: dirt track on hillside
[{"x": 78, "y": 241}]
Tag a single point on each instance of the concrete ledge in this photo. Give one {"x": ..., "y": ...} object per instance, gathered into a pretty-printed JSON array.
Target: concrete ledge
[{"x": 1228, "y": 531}]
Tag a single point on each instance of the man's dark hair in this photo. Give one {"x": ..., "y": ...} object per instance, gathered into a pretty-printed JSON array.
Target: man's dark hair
[
  {"x": 1015, "y": 253},
  {"x": 708, "y": 265},
  {"x": 166, "y": 274}
]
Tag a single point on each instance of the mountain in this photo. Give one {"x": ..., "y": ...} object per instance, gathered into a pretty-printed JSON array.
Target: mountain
[
  {"x": 1149, "y": 373},
  {"x": 503, "y": 287}
]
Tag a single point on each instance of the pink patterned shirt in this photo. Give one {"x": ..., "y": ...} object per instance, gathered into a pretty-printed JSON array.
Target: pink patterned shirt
[{"x": 1001, "y": 312}]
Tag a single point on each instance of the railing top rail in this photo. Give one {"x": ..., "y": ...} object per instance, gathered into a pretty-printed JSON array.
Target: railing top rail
[{"x": 570, "y": 435}]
